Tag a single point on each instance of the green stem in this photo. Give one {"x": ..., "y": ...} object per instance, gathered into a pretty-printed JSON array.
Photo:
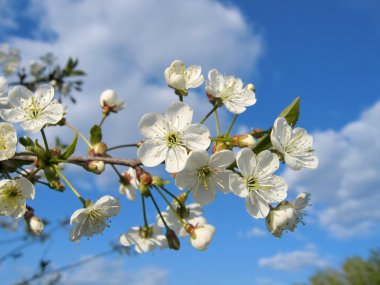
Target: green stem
[
  {"x": 144, "y": 211},
  {"x": 170, "y": 206},
  {"x": 173, "y": 196},
  {"x": 122, "y": 146},
  {"x": 180, "y": 97},
  {"x": 217, "y": 122},
  {"x": 6, "y": 174},
  {"x": 45, "y": 140},
  {"x": 222, "y": 140},
  {"x": 79, "y": 133},
  {"x": 71, "y": 186},
  {"x": 117, "y": 171},
  {"x": 231, "y": 125},
  {"x": 103, "y": 118},
  {"x": 209, "y": 113},
  {"x": 159, "y": 212}
]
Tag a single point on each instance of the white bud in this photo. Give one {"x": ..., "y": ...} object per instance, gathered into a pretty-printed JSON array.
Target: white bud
[
  {"x": 109, "y": 101},
  {"x": 201, "y": 236},
  {"x": 95, "y": 166},
  {"x": 243, "y": 141},
  {"x": 250, "y": 86},
  {"x": 36, "y": 226}
]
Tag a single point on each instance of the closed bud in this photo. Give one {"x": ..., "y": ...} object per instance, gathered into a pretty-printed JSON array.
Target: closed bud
[
  {"x": 145, "y": 179},
  {"x": 99, "y": 149},
  {"x": 109, "y": 102},
  {"x": 158, "y": 181},
  {"x": 221, "y": 146},
  {"x": 95, "y": 166},
  {"x": 251, "y": 87},
  {"x": 35, "y": 225},
  {"x": 243, "y": 141},
  {"x": 173, "y": 241},
  {"x": 200, "y": 235}
]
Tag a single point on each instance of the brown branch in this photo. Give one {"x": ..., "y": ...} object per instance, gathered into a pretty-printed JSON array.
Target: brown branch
[{"x": 84, "y": 159}]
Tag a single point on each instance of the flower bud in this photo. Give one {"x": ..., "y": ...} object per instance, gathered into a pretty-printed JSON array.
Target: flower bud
[
  {"x": 145, "y": 178},
  {"x": 173, "y": 241},
  {"x": 221, "y": 146},
  {"x": 243, "y": 141},
  {"x": 99, "y": 149},
  {"x": 109, "y": 102},
  {"x": 251, "y": 87},
  {"x": 200, "y": 235},
  {"x": 95, "y": 166},
  {"x": 35, "y": 225},
  {"x": 158, "y": 181}
]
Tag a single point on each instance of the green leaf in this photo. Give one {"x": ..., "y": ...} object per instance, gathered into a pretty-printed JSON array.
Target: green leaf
[
  {"x": 77, "y": 73},
  {"x": 262, "y": 144},
  {"x": 95, "y": 135},
  {"x": 292, "y": 112},
  {"x": 26, "y": 142},
  {"x": 70, "y": 150}
]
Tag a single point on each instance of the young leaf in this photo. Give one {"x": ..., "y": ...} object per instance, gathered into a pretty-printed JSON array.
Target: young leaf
[
  {"x": 70, "y": 150},
  {"x": 26, "y": 142},
  {"x": 292, "y": 112},
  {"x": 95, "y": 135}
]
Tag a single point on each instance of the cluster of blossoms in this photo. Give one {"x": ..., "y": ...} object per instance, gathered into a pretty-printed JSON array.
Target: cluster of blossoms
[{"x": 201, "y": 165}]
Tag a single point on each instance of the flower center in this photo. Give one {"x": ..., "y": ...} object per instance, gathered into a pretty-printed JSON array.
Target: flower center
[
  {"x": 146, "y": 232},
  {"x": 172, "y": 139},
  {"x": 251, "y": 183},
  {"x": 98, "y": 218},
  {"x": 203, "y": 173}
]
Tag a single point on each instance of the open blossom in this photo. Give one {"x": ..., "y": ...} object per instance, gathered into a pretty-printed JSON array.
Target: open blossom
[
  {"x": 287, "y": 215},
  {"x": 295, "y": 145},
  {"x": 8, "y": 141},
  {"x": 33, "y": 111},
  {"x": 201, "y": 235},
  {"x": 129, "y": 184},
  {"x": 92, "y": 219},
  {"x": 109, "y": 101},
  {"x": 9, "y": 59},
  {"x": 230, "y": 91},
  {"x": 204, "y": 175},
  {"x": 12, "y": 196},
  {"x": 179, "y": 77},
  {"x": 258, "y": 185},
  {"x": 144, "y": 239},
  {"x": 190, "y": 214},
  {"x": 170, "y": 136}
]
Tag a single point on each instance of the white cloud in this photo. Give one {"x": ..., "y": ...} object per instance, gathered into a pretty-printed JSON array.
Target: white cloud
[
  {"x": 111, "y": 272},
  {"x": 253, "y": 232},
  {"x": 345, "y": 187},
  {"x": 295, "y": 260}
]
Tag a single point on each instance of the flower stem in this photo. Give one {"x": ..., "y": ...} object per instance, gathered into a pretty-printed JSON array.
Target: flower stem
[
  {"x": 159, "y": 212},
  {"x": 117, "y": 171},
  {"x": 102, "y": 121},
  {"x": 122, "y": 146},
  {"x": 173, "y": 196},
  {"x": 222, "y": 140},
  {"x": 70, "y": 186},
  {"x": 217, "y": 122},
  {"x": 170, "y": 206},
  {"x": 231, "y": 125},
  {"x": 79, "y": 133},
  {"x": 6, "y": 174},
  {"x": 144, "y": 211},
  {"x": 209, "y": 113},
  {"x": 45, "y": 140},
  {"x": 180, "y": 97}
]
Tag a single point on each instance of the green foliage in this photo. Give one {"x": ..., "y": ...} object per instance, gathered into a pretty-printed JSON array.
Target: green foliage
[
  {"x": 71, "y": 148},
  {"x": 354, "y": 271},
  {"x": 95, "y": 135}
]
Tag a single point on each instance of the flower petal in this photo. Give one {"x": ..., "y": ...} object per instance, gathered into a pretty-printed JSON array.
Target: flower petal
[
  {"x": 153, "y": 125},
  {"x": 222, "y": 178},
  {"x": 53, "y": 113},
  {"x": 26, "y": 188},
  {"x": 34, "y": 125},
  {"x": 238, "y": 185},
  {"x": 222, "y": 159},
  {"x": 256, "y": 206},
  {"x": 43, "y": 95},
  {"x": 201, "y": 195},
  {"x": 19, "y": 94},
  {"x": 194, "y": 77},
  {"x": 196, "y": 137},
  {"x": 175, "y": 159},
  {"x": 107, "y": 206},
  {"x": 246, "y": 161},
  {"x": 179, "y": 115},
  {"x": 13, "y": 115},
  {"x": 267, "y": 163},
  {"x": 152, "y": 152}
]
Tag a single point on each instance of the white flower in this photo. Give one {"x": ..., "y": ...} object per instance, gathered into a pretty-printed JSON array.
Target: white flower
[
  {"x": 144, "y": 239},
  {"x": 230, "y": 91},
  {"x": 9, "y": 58},
  {"x": 92, "y": 219},
  {"x": 191, "y": 214},
  {"x": 109, "y": 101},
  {"x": 129, "y": 184},
  {"x": 179, "y": 77},
  {"x": 170, "y": 136},
  {"x": 201, "y": 235},
  {"x": 36, "y": 226},
  {"x": 203, "y": 175},
  {"x": 8, "y": 141},
  {"x": 12, "y": 196},
  {"x": 258, "y": 186},
  {"x": 36, "y": 67},
  {"x": 294, "y": 145},
  {"x": 287, "y": 215},
  {"x": 33, "y": 111},
  {"x": 3, "y": 92}
]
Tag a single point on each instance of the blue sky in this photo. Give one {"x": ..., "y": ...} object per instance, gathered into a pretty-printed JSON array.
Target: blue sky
[{"x": 324, "y": 51}]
